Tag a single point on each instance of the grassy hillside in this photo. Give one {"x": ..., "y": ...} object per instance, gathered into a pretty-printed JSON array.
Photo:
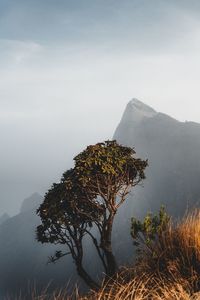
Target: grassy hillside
[{"x": 168, "y": 270}]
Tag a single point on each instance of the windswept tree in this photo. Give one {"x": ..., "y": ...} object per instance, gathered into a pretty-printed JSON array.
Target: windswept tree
[{"x": 88, "y": 196}]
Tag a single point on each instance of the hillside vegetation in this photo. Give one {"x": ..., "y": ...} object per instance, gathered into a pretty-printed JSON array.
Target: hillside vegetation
[{"x": 168, "y": 270}]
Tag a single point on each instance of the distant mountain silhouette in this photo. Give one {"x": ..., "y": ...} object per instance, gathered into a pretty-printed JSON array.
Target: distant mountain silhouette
[
  {"x": 31, "y": 203},
  {"x": 23, "y": 259},
  {"x": 4, "y": 218}
]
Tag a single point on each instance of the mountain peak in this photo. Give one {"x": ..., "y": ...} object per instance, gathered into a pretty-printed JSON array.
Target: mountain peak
[
  {"x": 136, "y": 111},
  {"x": 140, "y": 106},
  {"x": 31, "y": 203}
]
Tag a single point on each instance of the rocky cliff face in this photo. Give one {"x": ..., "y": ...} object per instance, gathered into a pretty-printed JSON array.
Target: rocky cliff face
[{"x": 173, "y": 152}]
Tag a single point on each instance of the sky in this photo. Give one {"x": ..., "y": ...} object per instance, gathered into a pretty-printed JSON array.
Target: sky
[{"x": 69, "y": 67}]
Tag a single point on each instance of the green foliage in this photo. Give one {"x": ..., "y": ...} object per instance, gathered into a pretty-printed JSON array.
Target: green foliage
[
  {"x": 101, "y": 173},
  {"x": 107, "y": 158},
  {"x": 145, "y": 233},
  {"x": 106, "y": 168},
  {"x": 89, "y": 195}
]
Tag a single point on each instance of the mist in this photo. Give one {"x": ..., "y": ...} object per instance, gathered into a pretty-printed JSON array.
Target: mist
[{"x": 67, "y": 71}]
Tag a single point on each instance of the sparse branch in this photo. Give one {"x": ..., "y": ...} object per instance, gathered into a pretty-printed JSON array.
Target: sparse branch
[{"x": 57, "y": 256}]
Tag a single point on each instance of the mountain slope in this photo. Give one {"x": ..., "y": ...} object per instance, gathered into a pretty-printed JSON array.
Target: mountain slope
[
  {"x": 4, "y": 218},
  {"x": 24, "y": 260},
  {"x": 31, "y": 203},
  {"x": 172, "y": 177},
  {"x": 173, "y": 152}
]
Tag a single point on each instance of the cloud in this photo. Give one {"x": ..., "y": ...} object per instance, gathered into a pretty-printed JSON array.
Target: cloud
[
  {"x": 141, "y": 25},
  {"x": 16, "y": 52}
]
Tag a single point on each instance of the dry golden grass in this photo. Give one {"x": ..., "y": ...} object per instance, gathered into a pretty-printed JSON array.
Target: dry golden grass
[
  {"x": 171, "y": 271},
  {"x": 139, "y": 290},
  {"x": 33, "y": 294},
  {"x": 176, "y": 253}
]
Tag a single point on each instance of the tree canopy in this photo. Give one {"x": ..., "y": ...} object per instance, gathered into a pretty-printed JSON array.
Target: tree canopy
[{"x": 89, "y": 196}]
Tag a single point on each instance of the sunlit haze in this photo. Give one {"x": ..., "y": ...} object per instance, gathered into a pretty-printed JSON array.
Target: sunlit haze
[{"x": 68, "y": 69}]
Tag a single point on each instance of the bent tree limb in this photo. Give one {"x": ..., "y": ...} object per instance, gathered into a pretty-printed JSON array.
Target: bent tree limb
[{"x": 86, "y": 277}]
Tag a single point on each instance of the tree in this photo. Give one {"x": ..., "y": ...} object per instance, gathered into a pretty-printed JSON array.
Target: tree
[
  {"x": 146, "y": 234},
  {"x": 88, "y": 196}
]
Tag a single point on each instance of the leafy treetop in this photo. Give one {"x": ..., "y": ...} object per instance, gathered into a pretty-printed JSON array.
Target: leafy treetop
[{"x": 87, "y": 196}]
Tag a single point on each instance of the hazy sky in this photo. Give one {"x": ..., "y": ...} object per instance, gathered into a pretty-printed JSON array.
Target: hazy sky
[{"x": 68, "y": 69}]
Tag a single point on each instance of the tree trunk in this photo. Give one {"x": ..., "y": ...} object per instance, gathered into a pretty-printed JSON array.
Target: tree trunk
[
  {"x": 106, "y": 245},
  {"x": 86, "y": 277},
  {"x": 111, "y": 264}
]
